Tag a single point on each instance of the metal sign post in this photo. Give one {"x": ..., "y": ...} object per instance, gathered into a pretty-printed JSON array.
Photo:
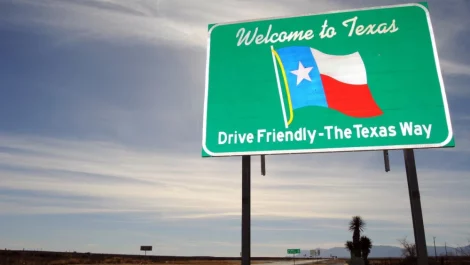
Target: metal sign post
[
  {"x": 415, "y": 202},
  {"x": 263, "y": 165},
  {"x": 386, "y": 161},
  {"x": 246, "y": 210}
]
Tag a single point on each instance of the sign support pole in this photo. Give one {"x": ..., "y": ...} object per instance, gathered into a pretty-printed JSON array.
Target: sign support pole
[
  {"x": 263, "y": 165},
  {"x": 246, "y": 210},
  {"x": 386, "y": 161},
  {"x": 415, "y": 202}
]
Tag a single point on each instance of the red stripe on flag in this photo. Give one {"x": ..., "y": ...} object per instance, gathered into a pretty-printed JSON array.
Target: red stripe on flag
[{"x": 351, "y": 100}]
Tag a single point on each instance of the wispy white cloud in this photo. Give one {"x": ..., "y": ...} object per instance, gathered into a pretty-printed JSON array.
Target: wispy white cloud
[
  {"x": 177, "y": 22},
  {"x": 103, "y": 177},
  {"x": 108, "y": 20},
  {"x": 454, "y": 68}
]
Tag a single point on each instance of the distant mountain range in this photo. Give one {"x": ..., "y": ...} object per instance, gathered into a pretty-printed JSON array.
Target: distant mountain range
[{"x": 377, "y": 252}]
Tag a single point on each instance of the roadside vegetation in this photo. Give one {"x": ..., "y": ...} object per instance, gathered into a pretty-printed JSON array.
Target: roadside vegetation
[{"x": 360, "y": 246}]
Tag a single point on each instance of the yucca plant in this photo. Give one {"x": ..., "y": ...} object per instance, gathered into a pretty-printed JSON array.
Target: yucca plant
[{"x": 356, "y": 225}]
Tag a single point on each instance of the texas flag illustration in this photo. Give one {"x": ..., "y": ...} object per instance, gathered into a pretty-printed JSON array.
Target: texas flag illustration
[{"x": 313, "y": 78}]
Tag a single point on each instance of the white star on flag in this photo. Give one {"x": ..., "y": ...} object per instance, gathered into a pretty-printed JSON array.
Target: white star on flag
[{"x": 302, "y": 73}]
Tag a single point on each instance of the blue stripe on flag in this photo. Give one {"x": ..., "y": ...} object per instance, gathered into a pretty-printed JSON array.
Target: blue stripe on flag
[{"x": 306, "y": 93}]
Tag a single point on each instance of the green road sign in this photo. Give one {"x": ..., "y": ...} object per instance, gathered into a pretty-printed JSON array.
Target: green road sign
[
  {"x": 366, "y": 79},
  {"x": 293, "y": 251}
]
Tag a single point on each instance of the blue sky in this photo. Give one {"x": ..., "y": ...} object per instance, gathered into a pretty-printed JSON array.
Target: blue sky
[{"x": 100, "y": 139}]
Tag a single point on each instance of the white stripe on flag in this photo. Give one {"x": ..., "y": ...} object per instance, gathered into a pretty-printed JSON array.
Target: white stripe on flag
[{"x": 349, "y": 69}]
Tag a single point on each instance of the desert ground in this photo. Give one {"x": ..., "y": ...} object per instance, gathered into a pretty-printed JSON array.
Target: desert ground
[{"x": 20, "y": 257}]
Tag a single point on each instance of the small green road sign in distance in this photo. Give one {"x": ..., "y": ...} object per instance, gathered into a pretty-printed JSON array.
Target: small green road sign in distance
[
  {"x": 293, "y": 251},
  {"x": 365, "y": 79}
]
